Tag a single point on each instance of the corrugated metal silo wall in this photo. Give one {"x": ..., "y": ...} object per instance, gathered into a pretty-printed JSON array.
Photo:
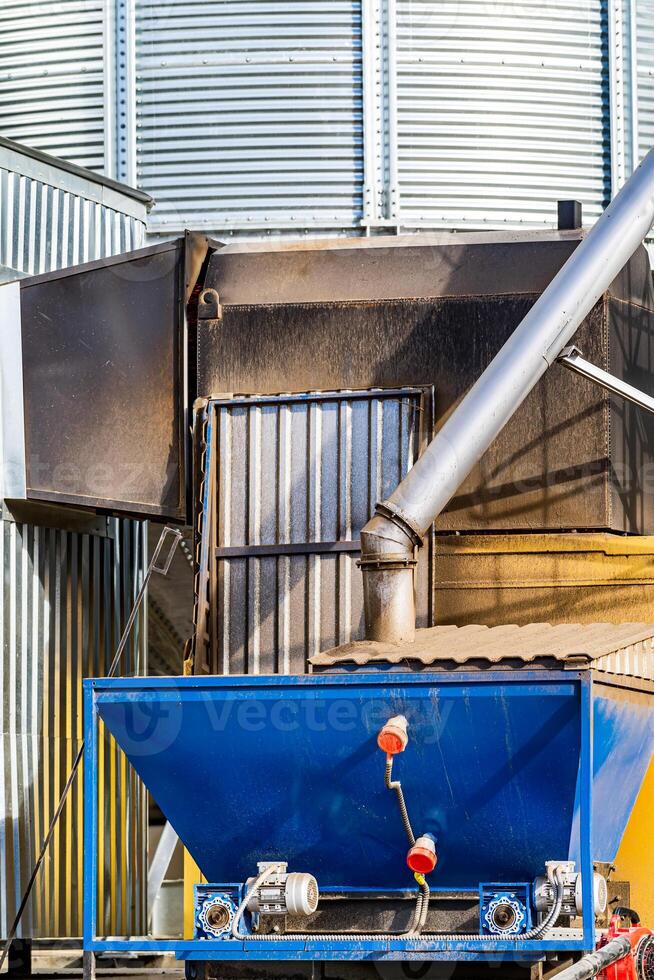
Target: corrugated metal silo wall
[
  {"x": 328, "y": 116},
  {"x": 502, "y": 110},
  {"x": 66, "y": 595},
  {"x": 65, "y": 598},
  {"x": 52, "y": 77},
  {"x": 411, "y": 113},
  {"x": 249, "y": 116},
  {"x": 645, "y": 74}
]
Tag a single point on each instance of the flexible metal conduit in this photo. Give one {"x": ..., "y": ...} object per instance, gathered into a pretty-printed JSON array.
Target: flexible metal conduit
[
  {"x": 400, "y": 523},
  {"x": 396, "y": 786},
  {"x": 534, "y": 933},
  {"x": 419, "y": 918}
]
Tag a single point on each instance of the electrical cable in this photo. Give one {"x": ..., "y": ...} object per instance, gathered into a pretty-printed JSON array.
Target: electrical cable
[
  {"x": 534, "y": 933},
  {"x": 397, "y": 787}
]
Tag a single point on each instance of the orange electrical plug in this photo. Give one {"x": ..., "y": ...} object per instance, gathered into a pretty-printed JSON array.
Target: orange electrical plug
[
  {"x": 393, "y": 737},
  {"x": 422, "y": 856}
]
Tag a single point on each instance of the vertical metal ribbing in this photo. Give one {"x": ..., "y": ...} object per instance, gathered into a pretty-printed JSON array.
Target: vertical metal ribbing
[
  {"x": 617, "y": 100},
  {"x": 369, "y": 55},
  {"x": 294, "y": 471},
  {"x": 284, "y": 530},
  {"x": 45, "y": 228},
  {"x": 634, "y": 155},
  {"x": 56, "y": 586},
  {"x": 393, "y": 192}
]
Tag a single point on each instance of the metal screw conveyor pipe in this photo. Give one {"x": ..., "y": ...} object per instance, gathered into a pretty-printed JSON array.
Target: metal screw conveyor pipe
[{"x": 389, "y": 539}]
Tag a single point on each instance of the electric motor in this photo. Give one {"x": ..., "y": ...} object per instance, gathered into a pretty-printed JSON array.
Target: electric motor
[
  {"x": 572, "y": 892},
  {"x": 294, "y": 893}
]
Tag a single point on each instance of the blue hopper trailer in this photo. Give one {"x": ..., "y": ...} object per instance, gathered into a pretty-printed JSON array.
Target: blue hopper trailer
[{"x": 520, "y": 780}]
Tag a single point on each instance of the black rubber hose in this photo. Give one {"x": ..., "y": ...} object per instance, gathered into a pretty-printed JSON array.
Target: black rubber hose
[{"x": 626, "y": 913}]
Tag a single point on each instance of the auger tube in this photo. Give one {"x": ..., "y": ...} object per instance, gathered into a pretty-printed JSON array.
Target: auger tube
[{"x": 389, "y": 539}]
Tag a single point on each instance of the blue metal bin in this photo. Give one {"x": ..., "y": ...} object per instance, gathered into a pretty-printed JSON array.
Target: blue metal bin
[{"x": 507, "y": 769}]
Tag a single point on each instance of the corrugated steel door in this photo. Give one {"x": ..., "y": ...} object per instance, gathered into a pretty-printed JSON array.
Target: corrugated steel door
[
  {"x": 249, "y": 113},
  {"x": 503, "y": 109},
  {"x": 293, "y": 480},
  {"x": 52, "y": 74}
]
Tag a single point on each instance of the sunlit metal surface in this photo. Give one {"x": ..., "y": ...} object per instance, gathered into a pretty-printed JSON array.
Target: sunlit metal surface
[
  {"x": 65, "y": 598},
  {"x": 297, "y": 477},
  {"x": 66, "y": 590},
  {"x": 249, "y": 115},
  {"x": 52, "y": 77},
  {"x": 52, "y": 216},
  {"x": 502, "y": 110}
]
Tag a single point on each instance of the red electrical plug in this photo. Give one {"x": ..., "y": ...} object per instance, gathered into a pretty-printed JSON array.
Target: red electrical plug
[
  {"x": 393, "y": 737},
  {"x": 422, "y": 856}
]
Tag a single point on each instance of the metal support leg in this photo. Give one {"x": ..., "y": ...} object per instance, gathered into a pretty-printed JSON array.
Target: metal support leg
[
  {"x": 19, "y": 960},
  {"x": 317, "y": 970},
  {"x": 88, "y": 965}
]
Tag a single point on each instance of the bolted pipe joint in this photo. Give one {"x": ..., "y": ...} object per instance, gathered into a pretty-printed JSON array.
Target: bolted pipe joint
[{"x": 388, "y": 543}]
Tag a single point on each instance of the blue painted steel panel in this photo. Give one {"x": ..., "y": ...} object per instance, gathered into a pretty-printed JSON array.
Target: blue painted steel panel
[
  {"x": 624, "y": 742},
  {"x": 248, "y": 768}
]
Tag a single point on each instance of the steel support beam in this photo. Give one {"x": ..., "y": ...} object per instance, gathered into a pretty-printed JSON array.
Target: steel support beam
[{"x": 572, "y": 358}]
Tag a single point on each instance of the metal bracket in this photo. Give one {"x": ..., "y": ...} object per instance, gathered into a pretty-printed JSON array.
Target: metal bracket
[
  {"x": 176, "y": 536},
  {"x": 209, "y": 306},
  {"x": 571, "y": 357}
]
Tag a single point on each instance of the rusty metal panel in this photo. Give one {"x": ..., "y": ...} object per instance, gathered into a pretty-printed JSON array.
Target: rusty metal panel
[
  {"x": 436, "y": 314},
  {"x": 113, "y": 435},
  {"x": 296, "y": 479},
  {"x": 66, "y": 595},
  {"x": 389, "y": 267},
  {"x": 555, "y": 578}
]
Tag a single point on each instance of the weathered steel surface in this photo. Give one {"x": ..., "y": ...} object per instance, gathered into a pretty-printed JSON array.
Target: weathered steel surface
[
  {"x": 436, "y": 314},
  {"x": 626, "y": 649},
  {"x": 295, "y": 479},
  {"x": 555, "y": 578},
  {"x": 65, "y": 597},
  {"x": 56, "y": 214},
  {"x": 113, "y": 434}
]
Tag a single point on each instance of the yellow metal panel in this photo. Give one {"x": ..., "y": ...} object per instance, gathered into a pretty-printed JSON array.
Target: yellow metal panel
[
  {"x": 192, "y": 876},
  {"x": 635, "y": 860},
  {"x": 553, "y": 578}
]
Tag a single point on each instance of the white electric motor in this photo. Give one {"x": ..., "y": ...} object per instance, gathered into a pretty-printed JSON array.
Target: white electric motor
[
  {"x": 572, "y": 897},
  {"x": 284, "y": 893}
]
